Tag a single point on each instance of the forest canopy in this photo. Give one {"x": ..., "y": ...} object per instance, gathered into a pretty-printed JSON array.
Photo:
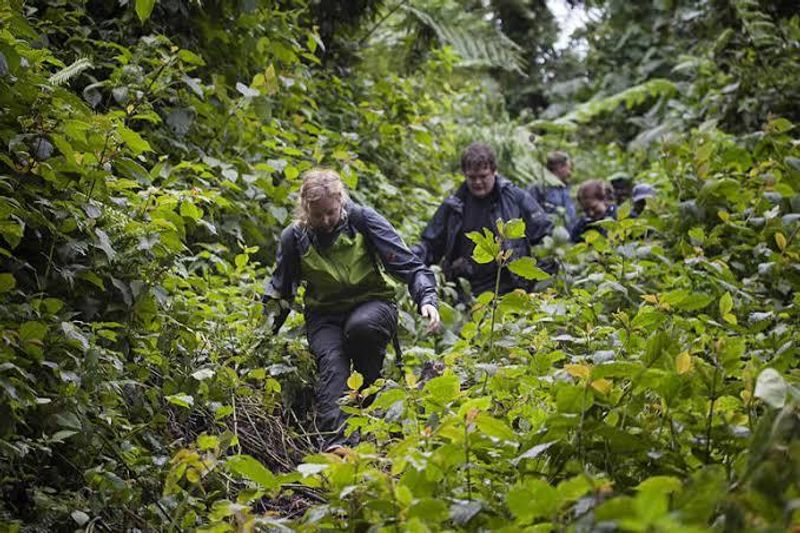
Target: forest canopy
[{"x": 152, "y": 154}]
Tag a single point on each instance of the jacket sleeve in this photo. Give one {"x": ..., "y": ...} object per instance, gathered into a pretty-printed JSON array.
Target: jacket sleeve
[
  {"x": 285, "y": 276},
  {"x": 430, "y": 249},
  {"x": 537, "y": 223},
  {"x": 399, "y": 260}
]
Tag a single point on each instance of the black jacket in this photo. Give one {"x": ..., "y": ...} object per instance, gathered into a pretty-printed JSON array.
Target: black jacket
[
  {"x": 441, "y": 235},
  {"x": 383, "y": 241}
]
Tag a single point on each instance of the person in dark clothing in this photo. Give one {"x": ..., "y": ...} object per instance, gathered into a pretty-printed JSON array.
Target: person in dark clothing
[
  {"x": 555, "y": 199},
  {"x": 479, "y": 202},
  {"x": 639, "y": 196},
  {"x": 342, "y": 253},
  {"x": 596, "y": 199},
  {"x": 622, "y": 184}
]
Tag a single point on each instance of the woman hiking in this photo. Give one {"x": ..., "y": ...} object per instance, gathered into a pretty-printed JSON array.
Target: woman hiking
[{"x": 343, "y": 252}]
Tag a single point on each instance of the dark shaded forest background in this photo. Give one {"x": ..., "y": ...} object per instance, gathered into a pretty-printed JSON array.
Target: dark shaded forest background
[{"x": 151, "y": 152}]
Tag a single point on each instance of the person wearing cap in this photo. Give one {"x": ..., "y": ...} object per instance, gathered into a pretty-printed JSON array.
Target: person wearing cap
[
  {"x": 343, "y": 253},
  {"x": 622, "y": 184},
  {"x": 556, "y": 198},
  {"x": 641, "y": 192},
  {"x": 484, "y": 197}
]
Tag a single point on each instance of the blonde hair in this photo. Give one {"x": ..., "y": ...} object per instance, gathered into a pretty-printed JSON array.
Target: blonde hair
[{"x": 318, "y": 183}]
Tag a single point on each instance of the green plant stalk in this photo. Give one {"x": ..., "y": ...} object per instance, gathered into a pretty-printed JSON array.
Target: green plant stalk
[
  {"x": 466, "y": 458},
  {"x": 710, "y": 418},
  {"x": 494, "y": 304}
]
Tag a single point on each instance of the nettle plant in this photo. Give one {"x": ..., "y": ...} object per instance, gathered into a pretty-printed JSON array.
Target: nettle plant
[
  {"x": 652, "y": 387},
  {"x": 497, "y": 247}
]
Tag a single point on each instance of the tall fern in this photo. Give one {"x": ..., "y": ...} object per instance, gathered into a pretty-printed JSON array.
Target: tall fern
[
  {"x": 489, "y": 48},
  {"x": 758, "y": 25},
  {"x": 632, "y": 96},
  {"x": 67, "y": 73}
]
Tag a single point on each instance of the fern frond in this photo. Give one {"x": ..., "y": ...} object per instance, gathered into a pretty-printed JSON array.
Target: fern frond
[
  {"x": 757, "y": 24},
  {"x": 490, "y": 48},
  {"x": 630, "y": 97},
  {"x": 67, "y": 73}
]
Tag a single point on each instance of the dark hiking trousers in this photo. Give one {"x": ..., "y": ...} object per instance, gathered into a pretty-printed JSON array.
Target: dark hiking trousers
[{"x": 337, "y": 340}]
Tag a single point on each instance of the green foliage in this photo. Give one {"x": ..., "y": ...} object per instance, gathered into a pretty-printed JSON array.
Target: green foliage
[
  {"x": 485, "y": 49},
  {"x": 652, "y": 384},
  {"x": 146, "y": 179}
]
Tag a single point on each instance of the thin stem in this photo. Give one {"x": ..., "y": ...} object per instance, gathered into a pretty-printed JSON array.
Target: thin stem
[
  {"x": 494, "y": 304},
  {"x": 711, "y": 414},
  {"x": 466, "y": 459}
]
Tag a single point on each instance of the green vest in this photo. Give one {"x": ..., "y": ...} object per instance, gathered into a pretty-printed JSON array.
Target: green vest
[{"x": 343, "y": 276}]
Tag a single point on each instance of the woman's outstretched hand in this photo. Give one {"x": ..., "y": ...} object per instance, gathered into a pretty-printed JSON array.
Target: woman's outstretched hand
[{"x": 432, "y": 314}]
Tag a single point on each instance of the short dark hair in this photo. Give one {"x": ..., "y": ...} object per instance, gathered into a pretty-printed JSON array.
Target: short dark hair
[
  {"x": 476, "y": 157},
  {"x": 556, "y": 159}
]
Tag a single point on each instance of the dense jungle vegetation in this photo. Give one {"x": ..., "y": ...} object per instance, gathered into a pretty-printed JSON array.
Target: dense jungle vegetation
[{"x": 151, "y": 150}]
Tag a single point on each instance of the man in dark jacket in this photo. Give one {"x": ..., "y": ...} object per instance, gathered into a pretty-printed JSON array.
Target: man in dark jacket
[{"x": 484, "y": 197}]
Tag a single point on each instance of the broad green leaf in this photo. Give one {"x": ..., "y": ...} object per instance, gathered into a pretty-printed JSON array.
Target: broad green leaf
[
  {"x": 571, "y": 489},
  {"x": 187, "y": 56},
  {"x": 131, "y": 169},
  {"x": 525, "y": 267},
  {"x": 271, "y": 80},
  {"x": 12, "y": 231},
  {"x": 694, "y": 301},
  {"x": 7, "y": 282},
  {"x": 706, "y": 488},
  {"x": 616, "y": 369},
  {"x": 683, "y": 362},
  {"x": 771, "y": 388},
  {"x": 443, "y": 389},
  {"x": 573, "y": 398},
  {"x": 431, "y": 510},
  {"x": 355, "y": 381},
  {"x": 513, "y": 229},
  {"x": 144, "y": 8},
  {"x": 487, "y": 248},
  {"x": 532, "y": 499},
  {"x": 252, "y": 469},
  {"x": 133, "y": 140},
  {"x": 780, "y": 240},
  {"x": 578, "y": 370},
  {"x": 190, "y": 210},
  {"x": 207, "y": 442},
  {"x": 494, "y": 427},
  {"x": 181, "y": 400},
  {"x": 602, "y": 385},
  {"x": 32, "y": 331},
  {"x": 660, "y": 485},
  {"x": 780, "y": 125}
]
